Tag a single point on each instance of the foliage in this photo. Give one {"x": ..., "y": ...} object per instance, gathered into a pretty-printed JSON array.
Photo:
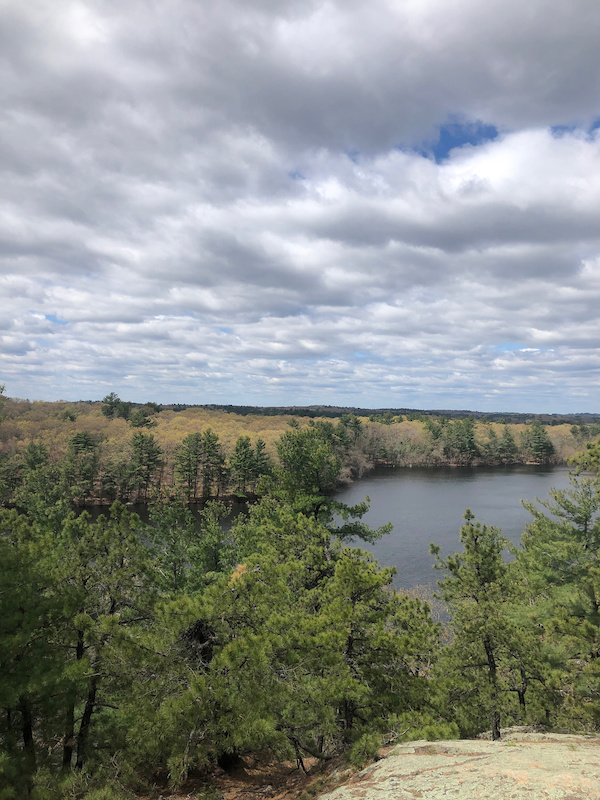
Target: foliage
[
  {"x": 127, "y": 648},
  {"x": 459, "y": 441},
  {"x": 73, "y": 601},
  {"x": 311, "y": 465},
  {"x": 588, "y": 460},
  {"x": 335, "y": 653},
  {"x": 141, "y": 418},
  {"x": 491, "y": 654},
  {"x": 536, "y": 443},
  {"x": 560, "y": 566},
  {"x": 216, "y": 465},
  {"x": 114, "y": 407},
  {"x": 145, "y": 461}
]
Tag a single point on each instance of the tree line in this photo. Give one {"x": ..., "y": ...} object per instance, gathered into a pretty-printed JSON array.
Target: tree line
[
  {"x": 462, "y": 442},
  {"x": 200, "y": 470},
  {"x": 200, "y": 466}
]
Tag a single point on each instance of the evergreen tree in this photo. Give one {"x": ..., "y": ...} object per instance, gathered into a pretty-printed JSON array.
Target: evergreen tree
[
  {"x": 146, "y": 462},
  {"x": 188, "y": 459},
  {"x": 490, "y": 448},
  {"x": 140, "y": 418},
  {"x": 27, "y": 662},
  {"x": 536, "y": 444},
  {"x": 101, "y": 581},
  {"x": 172, "y": 532},
  {"x": 460, "y": 445},
  {"x": 311, "y": 466},
  {"x": 507, "y": 447},
  {"x": 80, "y": 467},
  {"x": 262, "y": 462},
  {"x": 212, "y": 464},
  {"x": 35, "y": 455},
  {"x": 71, "y": 601},
  {"x": 588, "y": 460},
  {"x": 243, "y": 467},
  {"x": 114, "y": 407},
  {"x": 186, "y": 556},
  {"x": 488, "y": 648},
  {"x": 560, "y": 567},
  {"x": 303, "y": 649}
]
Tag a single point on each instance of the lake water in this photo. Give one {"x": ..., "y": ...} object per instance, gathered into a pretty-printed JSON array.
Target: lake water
[{"x": 427, "y": 505}]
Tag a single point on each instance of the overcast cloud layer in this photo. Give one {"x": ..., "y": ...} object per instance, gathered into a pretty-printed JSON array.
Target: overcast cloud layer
[{"x": 250, "y": 201}]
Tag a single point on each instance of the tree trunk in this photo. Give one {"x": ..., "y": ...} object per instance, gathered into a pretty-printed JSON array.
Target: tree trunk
[
  {"x": 84, "y": 727},
  {"x": 493, "y": 679},
  {"x": 521, "y": 693},
  {"x": 495, "y": 725},
  {"x": 69, "y": 739},
  {"x": 27, "y": 730}
]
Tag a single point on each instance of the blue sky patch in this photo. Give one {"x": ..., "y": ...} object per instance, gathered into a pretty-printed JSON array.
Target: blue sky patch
[
  {"x": 55, "y": 319},
  {"x": 508, "y": 347},
  {"x": 459, "y": 134},
  {"x": 562, "y": 130}
]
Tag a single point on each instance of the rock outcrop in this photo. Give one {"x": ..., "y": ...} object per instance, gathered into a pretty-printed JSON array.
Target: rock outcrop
[{"x": 521, "y": 765}]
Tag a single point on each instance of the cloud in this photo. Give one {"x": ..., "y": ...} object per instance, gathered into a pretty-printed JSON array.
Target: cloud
[{"x": 231, "y": 201}]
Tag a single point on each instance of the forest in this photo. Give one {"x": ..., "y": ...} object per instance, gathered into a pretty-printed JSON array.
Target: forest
[
  {"x": 96, "y": 453},
  {"x": 134, "y": 654}
]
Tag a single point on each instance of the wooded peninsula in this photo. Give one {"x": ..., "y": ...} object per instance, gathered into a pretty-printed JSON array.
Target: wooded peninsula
[{"x": 135, "y": 654}]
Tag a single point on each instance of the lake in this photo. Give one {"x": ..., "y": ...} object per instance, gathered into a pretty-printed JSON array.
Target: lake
[{"x": 427, "y": 505}]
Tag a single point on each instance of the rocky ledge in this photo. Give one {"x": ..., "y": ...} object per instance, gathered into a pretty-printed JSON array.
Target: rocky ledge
[{"x": 521, "y": 765}]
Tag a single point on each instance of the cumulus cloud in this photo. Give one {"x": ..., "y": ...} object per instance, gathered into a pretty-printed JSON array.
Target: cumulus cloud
[{"x": 257, "y": 202}]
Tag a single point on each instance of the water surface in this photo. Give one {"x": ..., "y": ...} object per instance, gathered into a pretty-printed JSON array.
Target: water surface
[{"x": 427, "y": 505}]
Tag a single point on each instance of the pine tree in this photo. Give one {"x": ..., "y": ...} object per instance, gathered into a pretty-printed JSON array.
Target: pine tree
[
  {"x": 303, "y": 649},
  {"x": 536, "y": 444},
  {"x": 146, "y": 462},
  {"x": 243, "y": 467},
  {"x": 507, "y": 447},
  {"x": 212, "y": 464},
  {"x": 488, "y": 646},
  {"x": 560, "y": 566},
  {"x": 188, "y": 459}
]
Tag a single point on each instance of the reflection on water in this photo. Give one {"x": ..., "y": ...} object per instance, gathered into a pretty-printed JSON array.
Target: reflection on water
[{"x": 427, "y": 505}]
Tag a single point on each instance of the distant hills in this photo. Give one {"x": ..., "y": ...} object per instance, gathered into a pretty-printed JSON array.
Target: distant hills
[{"x": 511, "y": 417}]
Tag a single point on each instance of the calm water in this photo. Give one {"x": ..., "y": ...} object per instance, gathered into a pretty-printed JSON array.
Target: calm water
[{"x": 427, "y": 505}]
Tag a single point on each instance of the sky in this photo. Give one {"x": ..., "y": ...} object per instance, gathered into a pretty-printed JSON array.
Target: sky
[{"x": 392, "y": 203}]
